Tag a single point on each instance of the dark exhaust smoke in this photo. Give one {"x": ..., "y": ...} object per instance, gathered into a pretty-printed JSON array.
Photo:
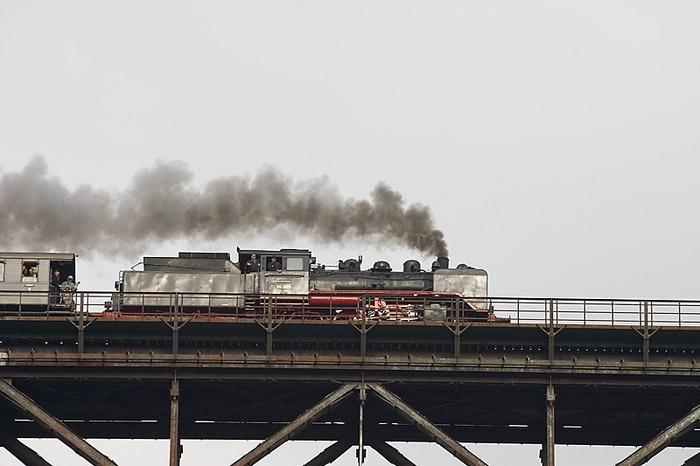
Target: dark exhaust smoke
[{"x": 38, "y": 212}]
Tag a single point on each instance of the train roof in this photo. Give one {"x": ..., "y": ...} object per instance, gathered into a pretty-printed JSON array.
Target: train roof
[
  {"x": 39, "y": 255},
  {"x": 203, "y": 262},
  {"x": 278, "y": 252}
]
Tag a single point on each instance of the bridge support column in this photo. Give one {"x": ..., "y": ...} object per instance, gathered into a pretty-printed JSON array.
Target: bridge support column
[
  {"x": 175, "y": 447},
  {"x": 547, "y": 453},
  {"x": 50, "y": 423},
  {"x": 361, "y": 432}
]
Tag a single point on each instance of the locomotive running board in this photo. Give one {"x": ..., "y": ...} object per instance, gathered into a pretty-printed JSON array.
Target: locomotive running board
[
  {"x": 50, "y": 423},
  {"x": 334, "y": 451}
]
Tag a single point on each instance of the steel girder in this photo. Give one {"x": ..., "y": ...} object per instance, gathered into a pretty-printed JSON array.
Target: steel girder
[
  {"x": 50, "y": 423},
  {"x": 337, "y": 397},
  {"x": 661, "y": 441}
]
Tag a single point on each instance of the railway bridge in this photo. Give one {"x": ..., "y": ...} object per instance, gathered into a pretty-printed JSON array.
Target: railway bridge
[{"x": 546, "y": 371}]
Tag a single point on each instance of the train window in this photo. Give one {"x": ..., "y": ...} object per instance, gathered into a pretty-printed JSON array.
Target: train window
[
  {"x": 295, "y": 263},
  {"x": 30, "y": 271},
  {"x": 2, "y": 271}
]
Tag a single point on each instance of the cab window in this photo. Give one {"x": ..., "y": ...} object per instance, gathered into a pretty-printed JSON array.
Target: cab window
[
  {"x": 295, "y": 263},
  {"x": 2, "y": 271}
]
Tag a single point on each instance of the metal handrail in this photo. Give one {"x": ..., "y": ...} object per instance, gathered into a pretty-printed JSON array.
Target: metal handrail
[
  {"x": 586, "y": 312},
  {"x": 597, "y": 312}
]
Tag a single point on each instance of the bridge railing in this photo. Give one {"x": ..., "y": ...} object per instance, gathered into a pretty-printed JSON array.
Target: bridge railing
[
  {"x": 36, "y": 304},
  {"x": 401, "y": 308},
  {"x": 387, "y": 307},
  {"x": 596, "y": 312}
]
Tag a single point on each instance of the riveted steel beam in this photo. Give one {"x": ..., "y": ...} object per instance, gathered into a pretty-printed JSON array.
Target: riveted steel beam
[
  {"x": 391, "y": 454},
  {"x": 332, "y": 453},
  {"x": 692, "y": 461},
  {"x": 291, "y": 429},
  {"x": 175, "y": 447},
  {"x": 22, "y": 452},
  {"x": 50, "y": 423},
  {"x": 661, "y": 441},
  {"x": 548, "y": 447},
  {"x": 428, "y": 428}
]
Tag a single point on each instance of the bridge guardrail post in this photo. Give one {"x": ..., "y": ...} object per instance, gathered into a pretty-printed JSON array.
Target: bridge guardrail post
[
  {"x": 645, "y": 344},
  {"x": 550, "y": 349}
]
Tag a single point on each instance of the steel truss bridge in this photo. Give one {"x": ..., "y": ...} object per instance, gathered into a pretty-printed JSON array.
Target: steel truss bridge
[{"x": 549, "y": 371}]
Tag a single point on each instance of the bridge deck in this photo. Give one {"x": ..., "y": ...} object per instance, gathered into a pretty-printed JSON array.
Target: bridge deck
[
  {"x": 242, "y": 378},
  {"x": 618, "y": 381}
]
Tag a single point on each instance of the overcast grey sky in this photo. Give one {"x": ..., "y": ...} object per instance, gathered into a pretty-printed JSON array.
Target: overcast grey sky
[{"x": 555, "y": 143}]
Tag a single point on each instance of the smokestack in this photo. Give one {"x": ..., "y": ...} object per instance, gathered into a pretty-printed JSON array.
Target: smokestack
[{"x": 444, "y": 262}]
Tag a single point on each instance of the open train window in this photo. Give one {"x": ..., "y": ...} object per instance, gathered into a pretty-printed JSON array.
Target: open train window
[
  {"x": 2, "y": 271},
  {"x": 30, "y": 271}
]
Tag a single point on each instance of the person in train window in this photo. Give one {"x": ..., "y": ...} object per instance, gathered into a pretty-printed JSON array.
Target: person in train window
[
  {"x": 252, "y": 265},
  {"x": 30, "y": 271},
  {"x": 274, "y": 264}
]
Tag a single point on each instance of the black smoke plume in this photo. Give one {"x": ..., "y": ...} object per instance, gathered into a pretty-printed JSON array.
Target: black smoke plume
[{"x": 38, "y": 212}]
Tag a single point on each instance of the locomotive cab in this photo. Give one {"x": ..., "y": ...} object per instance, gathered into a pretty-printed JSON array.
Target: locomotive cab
[{"x": 283, "y": 271}]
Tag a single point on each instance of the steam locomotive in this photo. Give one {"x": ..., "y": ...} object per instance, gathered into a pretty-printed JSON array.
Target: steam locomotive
[
  {"x": 284, "y": 281},
  {"x": 291, "y": 279}
]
